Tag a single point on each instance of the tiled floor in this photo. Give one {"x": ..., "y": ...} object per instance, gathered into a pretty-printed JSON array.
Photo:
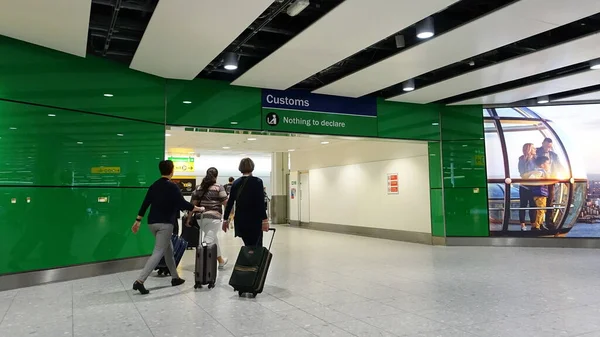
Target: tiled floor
[{"x": 324, "y": 284}]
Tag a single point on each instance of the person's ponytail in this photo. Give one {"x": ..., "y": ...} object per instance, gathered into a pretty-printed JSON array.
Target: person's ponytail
[{"x": 209, "y": 180}]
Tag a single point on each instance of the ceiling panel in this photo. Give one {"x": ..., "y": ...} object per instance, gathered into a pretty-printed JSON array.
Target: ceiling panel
[
  {"x": 343, "y": 32},
  {"x": 512, "y": 23},
  {"x": 577, "y": 51},
  {"x": 567, "y": 83},
  {"x": 184, "y": 36},
  {"x": 56, "y": 24},
  {"x": 592, "y": 96}
]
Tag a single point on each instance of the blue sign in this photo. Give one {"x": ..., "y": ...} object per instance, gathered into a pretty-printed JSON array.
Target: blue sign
[{"x": 305, "y": 101}]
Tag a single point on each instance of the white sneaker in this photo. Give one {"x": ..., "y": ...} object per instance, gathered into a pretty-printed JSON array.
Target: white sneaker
[{"x": 222, "y": 265}]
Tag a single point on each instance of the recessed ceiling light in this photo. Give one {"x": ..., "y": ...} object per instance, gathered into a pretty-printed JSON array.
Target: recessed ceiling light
[
  {"x": 187, "y": 102},
  {"x": 595, "y": 65},
  {"x": 543, "y": 100},
  {"x": 120, "y": 134},
  {"x": 167, "y": 135},
  {"x": 324, "y": 143},
  {"x": 51, "y": 115},
  {"x": 251, "y": 139},
  {"x": 108, "y": 95},
  {"x": 226, "y": 148}
]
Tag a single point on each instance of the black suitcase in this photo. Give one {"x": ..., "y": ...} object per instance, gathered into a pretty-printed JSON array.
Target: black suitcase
[
  {"x": 179, "y": 247},
  {"x": 251, "y": 268},
  {"x": 205, "y": 271},
  {"x": 190, "y": 234}
]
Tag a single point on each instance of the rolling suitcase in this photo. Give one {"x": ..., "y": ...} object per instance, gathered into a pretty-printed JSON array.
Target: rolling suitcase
[
  {"x": 179, "y": 247},
  {"x": 251, "y": 268},
  {"x": 205, "y": 271}
]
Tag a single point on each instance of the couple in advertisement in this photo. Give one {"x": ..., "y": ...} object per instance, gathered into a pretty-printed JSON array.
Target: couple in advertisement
[{"x": 541, "y": 165}]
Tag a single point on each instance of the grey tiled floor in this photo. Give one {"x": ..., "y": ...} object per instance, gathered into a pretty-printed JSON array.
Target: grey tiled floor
[{"x": 324, "y": 284}]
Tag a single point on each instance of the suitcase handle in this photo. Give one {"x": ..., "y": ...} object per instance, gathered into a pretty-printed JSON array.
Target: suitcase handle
[{"x": 274, "y": 230}]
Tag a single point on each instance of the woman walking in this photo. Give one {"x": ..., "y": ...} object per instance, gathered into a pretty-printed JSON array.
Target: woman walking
[
  {"x": 247, "y": 194},
  {"x": 211, "y": 197}
]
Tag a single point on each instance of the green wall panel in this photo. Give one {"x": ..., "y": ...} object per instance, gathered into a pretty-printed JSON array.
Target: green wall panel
[
  {"x": 34, "y": 74},
  {"x": 53, "y": 147},
  {"x": 435, "y": 164},
  {"x": 464, "y": 163},
  {"x": 437, "y": 212},
  {"x": 408, "y": 121},
  {"x": 215, "y": 104},
  {"x": 466, "y": 212},
  {"x": 66, "y": 226},
  {"x": 462, "y": 122}
]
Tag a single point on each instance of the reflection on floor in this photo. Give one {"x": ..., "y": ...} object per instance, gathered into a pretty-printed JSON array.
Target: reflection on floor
[{"x": 324, "y": 284}]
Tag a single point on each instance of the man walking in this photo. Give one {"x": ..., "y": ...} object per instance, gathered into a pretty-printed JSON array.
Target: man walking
[{"x": 166, "y": 200}]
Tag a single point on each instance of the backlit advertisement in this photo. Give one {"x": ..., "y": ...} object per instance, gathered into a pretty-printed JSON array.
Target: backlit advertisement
[{"x": 543, "y": 171}]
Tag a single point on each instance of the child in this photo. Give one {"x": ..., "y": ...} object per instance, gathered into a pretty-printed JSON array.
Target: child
[{"x": 540, "y": 192}]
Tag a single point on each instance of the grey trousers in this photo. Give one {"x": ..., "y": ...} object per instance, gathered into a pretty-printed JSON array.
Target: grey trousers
[{"x": 162, "y": 232}]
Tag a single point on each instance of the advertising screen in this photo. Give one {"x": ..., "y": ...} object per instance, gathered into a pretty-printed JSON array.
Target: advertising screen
[{"x": 543, "y": 171}]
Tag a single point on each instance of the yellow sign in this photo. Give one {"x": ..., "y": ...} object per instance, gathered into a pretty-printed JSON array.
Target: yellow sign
[
  {"x": 106, "y": 170},
  {"x": 479, "y": 160},
  {"x": 184, "y": 166}
]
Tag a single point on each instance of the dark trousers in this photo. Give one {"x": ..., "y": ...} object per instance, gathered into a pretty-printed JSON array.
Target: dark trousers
[
  {"x": 253, "y": 240},
  {"x": 550, "y": 203},
  {"x": 526, "y": 200}
]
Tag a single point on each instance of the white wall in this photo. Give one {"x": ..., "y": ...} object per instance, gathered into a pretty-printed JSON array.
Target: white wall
[{"x": 348, "y": 185}]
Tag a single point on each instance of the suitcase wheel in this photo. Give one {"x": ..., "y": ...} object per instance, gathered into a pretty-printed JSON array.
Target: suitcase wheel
[
  {"x": 211, "y": 285},
  {"x": 197, "y": 285}
]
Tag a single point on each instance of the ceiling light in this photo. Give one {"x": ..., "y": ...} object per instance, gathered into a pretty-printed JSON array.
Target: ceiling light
[
  {"x": 230, "y": 61},
  {"x": 226, "y": 148},
  {"x": 324, "y": 143},
  {"x": 543, "y": 100},
  {"x": 595, "y": 64},
  {"x": 108, "y": 95},
  {"x": 51, "y": 115},
  {"x": 167, "y": 135},
  {"x": 251, "y": 139},
  {"x": 409, "y": 85},
  {"x": 297, "y": 6},
  {"x": 425, "y": 29}
]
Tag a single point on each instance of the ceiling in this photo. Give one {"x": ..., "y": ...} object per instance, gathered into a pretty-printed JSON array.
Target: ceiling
[
  {"x": 483, "y": 51},
  {"x": 186, "y": 141}
]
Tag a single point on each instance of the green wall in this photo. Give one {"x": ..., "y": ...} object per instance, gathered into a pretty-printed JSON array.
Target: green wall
[{"x": 57, "y": 129}]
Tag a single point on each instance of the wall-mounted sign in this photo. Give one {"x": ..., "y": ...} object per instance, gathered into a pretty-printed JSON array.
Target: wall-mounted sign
[
  {"x": 183, "y": 164},
  {"x": 303, "y": 112},
  {"x": 187, "y": 185},
  {"x": 106, "y": 170},
  {"x": 293, "y": 193},
  {"x": 392, "y": 183}
]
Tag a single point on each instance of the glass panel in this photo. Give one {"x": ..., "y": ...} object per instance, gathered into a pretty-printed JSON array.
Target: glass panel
[
  {"x": 575, "y": 157},
  {"x": 486, "y": 113},
  {"x": 509, "y": 112},
  {"x": 496, "y": 206},
  {"x": 518, "y": 134},
  {"x": 524, "y": 209},
  {"x": 493, "y": 152},
  {"x": 582, "y": 215}
]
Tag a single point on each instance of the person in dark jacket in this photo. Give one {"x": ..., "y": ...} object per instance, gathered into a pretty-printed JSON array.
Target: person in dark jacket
[
  {"x": 166, "y": 200},
  {"x": 247, "y": 194}
]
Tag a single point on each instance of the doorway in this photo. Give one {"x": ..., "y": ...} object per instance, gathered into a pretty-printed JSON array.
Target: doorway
[{"x": 304, "y": 211}]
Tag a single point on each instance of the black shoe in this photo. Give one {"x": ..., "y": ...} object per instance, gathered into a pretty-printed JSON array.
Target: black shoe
[
  {"x": 140, "y": 287},
  {"x": 177, "y": 282}
]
